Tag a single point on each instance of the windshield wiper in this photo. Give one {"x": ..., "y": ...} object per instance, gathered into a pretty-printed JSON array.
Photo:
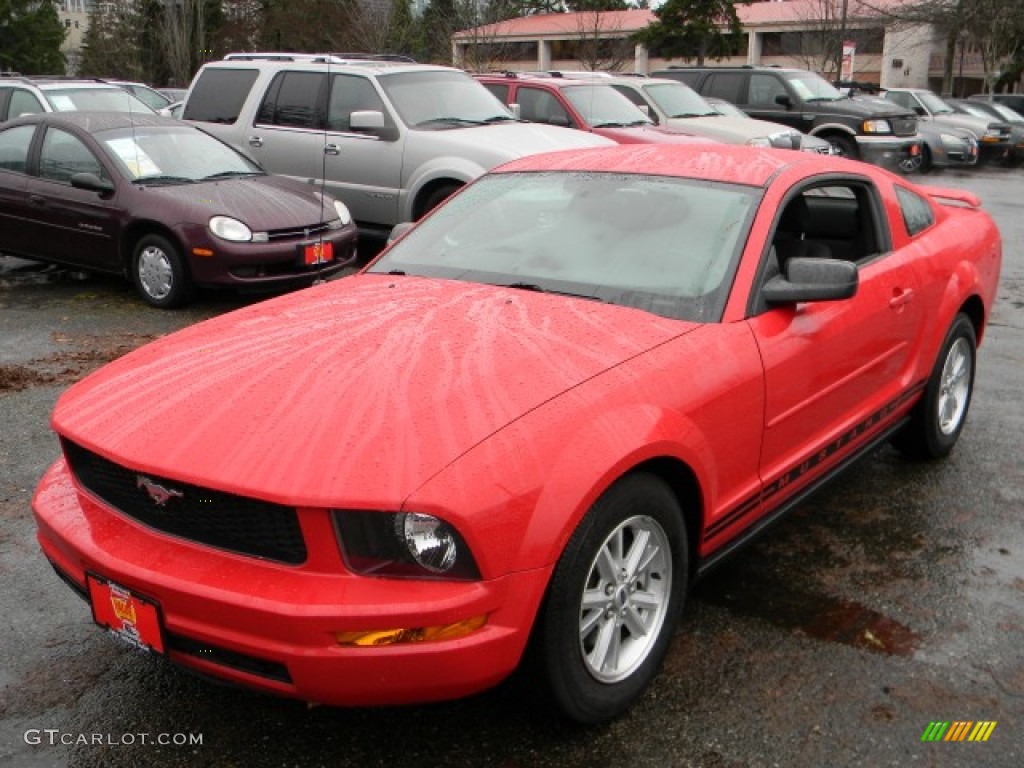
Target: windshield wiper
[
  {"x": 539, "y": 289},
  {"x": 449, "y": 121},
  {"x": 695, "y": 114},
  {"x": 164, "y": 179},
  {"x": 822, "y": 98},
  {"x": 231, "y": 174}
]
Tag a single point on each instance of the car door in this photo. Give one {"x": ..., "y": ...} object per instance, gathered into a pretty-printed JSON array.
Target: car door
[
  {"x": 763, "y": 90},
  {"x": 836, "y": 372},
  {"x": 66, "y": 224},
  {"x": 287, "y": 137},
  {"x": 362, "y": 166},
  {"x": 15, "y": 144}
]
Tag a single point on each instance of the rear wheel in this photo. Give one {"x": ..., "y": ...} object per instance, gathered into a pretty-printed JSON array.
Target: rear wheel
[
  {"x": 939, "y": 417},
  {"x": 435, "y": 197},
  {"x": 613, "y": 602},
  {"x": 159, "y": 272}
]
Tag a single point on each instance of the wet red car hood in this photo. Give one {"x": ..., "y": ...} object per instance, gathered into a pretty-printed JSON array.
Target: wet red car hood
[{"x": 355, "y": 392}]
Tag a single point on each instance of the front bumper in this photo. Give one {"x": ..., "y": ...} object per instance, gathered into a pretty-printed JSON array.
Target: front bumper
[
  {"x": 272, "y": 627},
  {"x": 887, "y": 151},
  {"x": 269, "y": 266}
]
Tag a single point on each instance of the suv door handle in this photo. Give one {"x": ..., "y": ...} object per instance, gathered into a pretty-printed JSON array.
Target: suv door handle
[
  {"x": 37, "y": 200},
  {"x": 255, "y": 141},
  {"x": 332, "y": 149}
]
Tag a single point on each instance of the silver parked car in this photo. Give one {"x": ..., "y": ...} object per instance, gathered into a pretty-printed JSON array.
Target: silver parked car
[{"x": 390, "y": 138}]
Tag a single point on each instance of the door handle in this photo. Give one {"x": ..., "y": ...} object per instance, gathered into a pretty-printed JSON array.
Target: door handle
[
  {"x": 255, "y": 141},
  {"x": 37, "y": 200},
  {"x": 900, "y": 297},
  {"x": 332, "y": 149}
]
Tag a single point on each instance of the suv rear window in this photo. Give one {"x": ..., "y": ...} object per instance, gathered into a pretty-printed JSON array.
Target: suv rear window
[{"x": 218, "y": 95}]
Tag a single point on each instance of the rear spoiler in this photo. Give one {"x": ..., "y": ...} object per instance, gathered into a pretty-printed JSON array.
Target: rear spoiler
[{"x": 944, "y": 194}]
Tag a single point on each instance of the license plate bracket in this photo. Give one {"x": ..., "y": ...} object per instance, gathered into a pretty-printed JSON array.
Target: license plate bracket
[
  {"x": 315, "y": 254},
  {"x": 127, "y": 615}
]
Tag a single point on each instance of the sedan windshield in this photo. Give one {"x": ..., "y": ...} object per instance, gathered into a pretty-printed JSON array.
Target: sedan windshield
[
  {"x": 934, "y": 104},
  {"x": 604, "y": 107},
  {"x": 665, "y": 245},
  {"x": 442, "y": 99},
  {"x": 678, "y": 100},
  {"x": 173, "y": 154},
  {"x": 111, "y": 99}
]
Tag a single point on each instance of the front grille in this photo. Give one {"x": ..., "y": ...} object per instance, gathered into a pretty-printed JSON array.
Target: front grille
[
  {"x": 223, "y": 520},
  {"x": 298, "y": 233},
  {"x": 904, "y": 126}
]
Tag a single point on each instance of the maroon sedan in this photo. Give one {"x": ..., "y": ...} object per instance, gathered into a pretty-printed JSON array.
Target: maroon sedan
[{"x": 164, "y": 202}]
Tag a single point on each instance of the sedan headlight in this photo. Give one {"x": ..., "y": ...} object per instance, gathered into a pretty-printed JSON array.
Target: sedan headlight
[
  {"x": 343, "y": 213},
  {"x": 877, "y": 126},
  {"x": 404, "y": 544},
  {"x": 955, "y": 142},
  {"x": 993, "y": 134},
  {"x": 227, "y": 228}
]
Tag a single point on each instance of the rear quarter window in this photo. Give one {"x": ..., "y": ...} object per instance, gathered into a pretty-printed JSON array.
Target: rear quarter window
[
  {"x": 917, "y": 211},
  {"x": 218, "y": 95}
]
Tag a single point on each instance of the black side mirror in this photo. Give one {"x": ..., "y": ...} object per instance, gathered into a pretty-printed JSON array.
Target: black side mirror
[
  {"x": 783, "y": 100},
  {"x": 92, "y": 182},
  {"x": 812, "y": 279}
]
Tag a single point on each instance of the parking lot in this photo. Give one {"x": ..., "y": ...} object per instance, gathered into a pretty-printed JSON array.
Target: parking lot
[{"x": 891, "y": 600}]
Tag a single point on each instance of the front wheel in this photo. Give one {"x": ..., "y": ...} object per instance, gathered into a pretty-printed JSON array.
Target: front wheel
[
  {"x": 435, "y": 198},
  {"x": 938, "y": 419},
  {"x": 159, "y": 272},
  {"x": 613, "y": 602},
  {"x": 844, "y": 147}
]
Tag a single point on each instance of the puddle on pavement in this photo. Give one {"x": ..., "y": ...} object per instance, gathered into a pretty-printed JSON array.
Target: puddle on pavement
[{"x": 820, "y": 616}]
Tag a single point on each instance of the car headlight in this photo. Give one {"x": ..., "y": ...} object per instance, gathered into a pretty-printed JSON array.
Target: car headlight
[
  {"x": 949, "y": 140},
  {"x": 877, "y": 126},
  {"x": 343, "y": 213},
  {"x": 403, "y": 544},
  {"x": 992, "y": 134},
  {"x": 760, "y": 141},
  {"x": 227, "y": 228}
]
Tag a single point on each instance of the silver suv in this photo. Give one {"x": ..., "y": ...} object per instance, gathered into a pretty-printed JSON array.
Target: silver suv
[
  {"x": 32, "y": 95},
  {"x": 388, "y": 137}
]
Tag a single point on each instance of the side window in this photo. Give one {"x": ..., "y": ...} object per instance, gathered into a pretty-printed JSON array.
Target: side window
[
  {"x": 764, "y": 89},
  {"x": 917, "y": 212},
  {"x": 726, "y": 85},
  {"x": 295, "y": 99},
  {"x": 632, "y": 95},
  {"x": 500, "y": 91},
  {"x": 539, "y": 106},
  {"x": 218, "y": 95},
  {"x": 14, "y": 146},
  {"x": 23, "y": 103},
  {"x": 350, "y": 93},
  {"x": 64, "y": 155}
]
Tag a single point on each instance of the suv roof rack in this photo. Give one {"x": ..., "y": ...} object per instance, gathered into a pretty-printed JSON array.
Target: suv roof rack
[{"x": 324, "y": 58}]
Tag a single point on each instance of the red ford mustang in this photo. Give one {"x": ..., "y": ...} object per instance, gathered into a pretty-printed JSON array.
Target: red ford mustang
[{"x": 520, "y": 434}]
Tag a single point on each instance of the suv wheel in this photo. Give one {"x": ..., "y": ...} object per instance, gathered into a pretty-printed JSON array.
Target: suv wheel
[{"x": 844, "y": 146}]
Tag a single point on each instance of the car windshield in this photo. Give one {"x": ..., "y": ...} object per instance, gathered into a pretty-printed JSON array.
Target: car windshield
[
  {"x": 678, "y": 100},
  {"x": 812, "y": 87},
  {"x": 601, "y": 106},
  {"x": 111, "y": 99},
  {"x": 173, "y": 155},
  {"x": 934, "y": 104},
  {"x": 442, "y": 99},
  {"x": 664, "y": 245}
]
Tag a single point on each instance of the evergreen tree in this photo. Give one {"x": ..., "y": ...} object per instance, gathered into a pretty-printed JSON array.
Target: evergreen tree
[
  {"x": 30, "y": 37},
  {"x": 111, "y": 45},
  {"x": 692, "y": 29}
]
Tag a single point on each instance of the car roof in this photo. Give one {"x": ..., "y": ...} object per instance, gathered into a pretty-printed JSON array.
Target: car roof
[
  {"x": 93, "y": 122},
  {"x": 544, "y": 80},
  {"x": 732, "y": 164},
  {"x": 323, "y": 61}
]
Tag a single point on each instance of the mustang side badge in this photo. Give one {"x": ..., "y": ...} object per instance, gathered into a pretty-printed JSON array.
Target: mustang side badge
[{"x": 157, "y": 492}]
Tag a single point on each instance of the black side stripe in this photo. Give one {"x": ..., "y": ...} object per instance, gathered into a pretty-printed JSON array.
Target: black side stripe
[{"x": 844, "y": 442}]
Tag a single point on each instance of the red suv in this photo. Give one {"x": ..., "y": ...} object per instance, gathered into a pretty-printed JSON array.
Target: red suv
[{"x": 587, "y": 105}]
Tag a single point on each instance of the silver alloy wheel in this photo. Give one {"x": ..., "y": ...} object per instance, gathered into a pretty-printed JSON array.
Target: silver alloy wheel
[
  {"x": 156, "y": 274},
  {"x": 954, "y": 386},
  {"x": 625, "y": 599}
]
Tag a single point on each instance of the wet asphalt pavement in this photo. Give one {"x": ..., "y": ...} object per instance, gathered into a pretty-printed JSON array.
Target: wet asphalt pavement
[{"x": 891, "y": 599}]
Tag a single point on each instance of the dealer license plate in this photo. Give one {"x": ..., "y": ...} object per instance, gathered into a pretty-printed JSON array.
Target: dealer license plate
[
  {"x": 134, "y": 619},
  {"x": 317, "y": 253}
]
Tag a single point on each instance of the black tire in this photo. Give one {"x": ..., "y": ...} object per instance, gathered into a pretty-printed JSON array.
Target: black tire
[
  {"x": 919, "y": 163},
  {"x": 159, "y": 273},
  {"x": 926, "y": 159},
  {"x": 844, "y": 146},
  {"x": 599, "y": 599},
  {"x": 436, "y": 197},
  {"x": 939, "y": 417}
]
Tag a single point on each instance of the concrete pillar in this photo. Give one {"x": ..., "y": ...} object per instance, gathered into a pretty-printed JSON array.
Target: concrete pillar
[
  {"x": 754, "y": 48},
  {"x": 543, "y": 55},
  {"x": 640, "y": 59}
]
